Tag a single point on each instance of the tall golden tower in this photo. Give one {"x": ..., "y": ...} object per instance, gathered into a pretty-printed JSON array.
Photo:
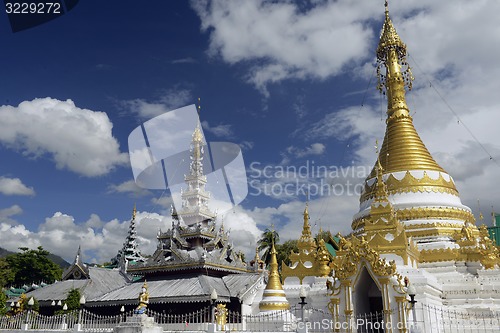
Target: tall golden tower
[{"x": 422, "y": 193}]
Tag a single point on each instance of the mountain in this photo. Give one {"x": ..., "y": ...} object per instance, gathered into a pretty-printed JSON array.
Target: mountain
[
  {"x": 55, "y": 258},
  {"x": 59, "y": 261},
  {"x": 4, "y": 252}
]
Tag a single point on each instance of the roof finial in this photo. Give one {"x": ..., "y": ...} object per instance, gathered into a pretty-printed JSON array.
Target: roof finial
[
  {"x": 386, "y": 8},
  {"x": 199, "y": 106},
  {"x": 134, "y": 212}
]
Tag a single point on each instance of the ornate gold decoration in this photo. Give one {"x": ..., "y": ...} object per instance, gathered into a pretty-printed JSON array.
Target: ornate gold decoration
[
  {"x": 437, "y": 255},
  {"x": 440, "y": 213},
  {"x": 274, "y": 288},
  {"x": 221, "y": 316},
  {"x": 475, "y": 246},
  {"x": 411, "y": 184},
  {"x": 352, "y": 251},
  {"x": 383, "y": 230},
  {"x": 427, "y": 213},
  {"x": 311, "y": 260},
  {"x": 323, "y": 259},
  {"x": 490, "y": 256},
  {"x": 467, "y": 235},
  {"x": 402, "y": 148},
  {"x": 134, "y": 212}
]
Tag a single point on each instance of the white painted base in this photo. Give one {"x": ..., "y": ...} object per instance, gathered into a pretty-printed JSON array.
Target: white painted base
[
  {"x": 212, "y": 328},
  {"x": 138, "y": 324}
]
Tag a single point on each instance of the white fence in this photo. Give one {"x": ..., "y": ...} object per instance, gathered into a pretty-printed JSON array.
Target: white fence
[
  {"x": 421, "y": 319},
  {"x": 437, "y": 320}
]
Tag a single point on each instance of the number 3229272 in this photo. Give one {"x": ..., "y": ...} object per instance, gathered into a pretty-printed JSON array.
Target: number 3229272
[{"x": 33, "y": 8}]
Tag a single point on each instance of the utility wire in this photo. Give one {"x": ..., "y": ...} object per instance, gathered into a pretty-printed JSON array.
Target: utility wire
[{"x": 460, "y": 121}]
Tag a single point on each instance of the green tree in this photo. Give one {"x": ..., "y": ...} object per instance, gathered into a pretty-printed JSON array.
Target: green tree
[
  {"x": 325, "y": 235},
  {"x": 73, "y": 299},
  {"x": 265, "y": 242},
  {"x": 6, "y": 273},
  {"x": 3, "y": 302},
  {"x": 31, "y": 266},
  {"x": 284, "y": 250}
]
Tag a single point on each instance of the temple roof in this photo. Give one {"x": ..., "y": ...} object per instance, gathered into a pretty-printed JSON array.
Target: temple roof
[
  {"x": 100, "y": 282},
  {"x": 188, "y": 249},
  {"x": 183, "y": 289}
]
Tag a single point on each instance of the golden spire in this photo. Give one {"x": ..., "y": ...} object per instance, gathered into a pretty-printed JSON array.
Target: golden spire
[
  {"x": 306, "y": 229},
  {"x": 402, "y": 149},
  {"x": 274, "y": 297},
  {"x": 306, "y": 261},
  {"x": 306, "y": 241},
  {"x": 134, "y": 212},
  {"x": 257, "y": 257},
  {"x": 274, "y": 282}
]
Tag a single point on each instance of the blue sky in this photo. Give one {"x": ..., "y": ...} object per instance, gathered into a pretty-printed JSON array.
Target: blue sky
[{"x": 291, "y": 82}]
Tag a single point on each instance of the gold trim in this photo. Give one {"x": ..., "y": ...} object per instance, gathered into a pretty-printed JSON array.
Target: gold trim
[
  {"x": 411, "y": 184},
  {"x": 273, "y": 306},
  {"x": 353, "y": 251},
  {"x": 270, "y": 293},
  {"x": 427, "y": 213}
]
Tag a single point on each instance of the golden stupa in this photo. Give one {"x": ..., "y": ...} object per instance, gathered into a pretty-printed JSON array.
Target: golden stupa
[
  {"x": 422, "y": 194},
  {"x": 274, "y": 298}
]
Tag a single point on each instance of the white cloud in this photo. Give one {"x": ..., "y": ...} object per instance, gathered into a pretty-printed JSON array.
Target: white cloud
[
  {"x": 79, "y": 140},
  {"x": 246, "y": 145},
  {"x": 170, "y": 100},
  {"x": 243, "y": 230},
  {"x": 314, "y": 149},
  {"x": 14, "y": 186},
  {"x": 129, "y": 187},
  {"x": 100, "y": 240},
  {"x": 281, "y": 41},
  {"x": 221, "y": 130},
  {"x": 187, "y": 60},
  {"x": 164, "y": 201},
  {"x": 333, "y": 213},
  {"x": 7, "y": 213}
]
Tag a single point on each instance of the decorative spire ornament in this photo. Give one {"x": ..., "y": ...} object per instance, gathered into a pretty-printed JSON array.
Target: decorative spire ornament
[{"x": 402, "y": 148}]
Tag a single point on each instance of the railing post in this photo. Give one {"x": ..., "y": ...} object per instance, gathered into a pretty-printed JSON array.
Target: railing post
[{"x": 25, "y": 325}]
